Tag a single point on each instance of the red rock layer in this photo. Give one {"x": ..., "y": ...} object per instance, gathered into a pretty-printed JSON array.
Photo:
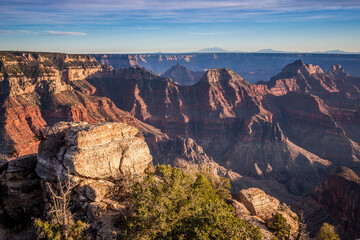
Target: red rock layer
[
  {"x": 42, "y": 89},
  {"x": 339, "y": 194},
  {"x": 228, "y": 117}
]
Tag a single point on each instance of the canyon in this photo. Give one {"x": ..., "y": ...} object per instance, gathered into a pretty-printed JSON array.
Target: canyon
[
  {"x": 285, "y": 136},
  {"x": 251, "y": 66}
]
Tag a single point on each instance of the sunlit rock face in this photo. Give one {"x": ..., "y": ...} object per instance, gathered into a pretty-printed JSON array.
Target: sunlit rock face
[{"x": 97, "y": 151}]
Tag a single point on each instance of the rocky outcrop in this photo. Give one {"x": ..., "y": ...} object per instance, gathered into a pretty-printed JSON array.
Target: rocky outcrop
[
  {"x": 259, "y": 208},
  {"x": 182, "y": 75},
  {"x": 98, "y": 151},
  {"x": 20, "y": 192},
  {"x": 339, "y": 195},
  {"x": 91, "y": 158}
]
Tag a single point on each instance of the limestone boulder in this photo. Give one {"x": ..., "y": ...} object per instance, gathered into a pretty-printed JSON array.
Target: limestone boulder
[
  {"x": 264, "y": 207},
  {"x": 95, "y": 151},
  {"x": 258, "y": 202}
]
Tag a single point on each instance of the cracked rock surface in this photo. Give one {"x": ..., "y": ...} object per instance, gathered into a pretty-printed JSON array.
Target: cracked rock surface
[{"x": 97, "y": 151}]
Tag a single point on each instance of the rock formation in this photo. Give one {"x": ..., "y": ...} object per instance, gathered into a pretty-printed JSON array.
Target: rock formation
[
  {"x": 79, "y": 148},
  {"x": 225, "y": 115},
  {"x": 182, "y": 75},
  {"x": 259, "y": 208},
  {"x": 39, "y": 89},
  {"x": 306, "y": 78},
  {"x": 339, "y": 195},
  {"x": 94, "y": 157}
]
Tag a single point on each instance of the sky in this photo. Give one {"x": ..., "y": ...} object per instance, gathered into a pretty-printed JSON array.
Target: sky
[{"x": 146, "y": 26}]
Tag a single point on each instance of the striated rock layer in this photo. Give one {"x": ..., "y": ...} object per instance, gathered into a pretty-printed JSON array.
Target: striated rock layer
[
  {"x": 259, "y": 208},
  {"x": 339, "y": 195},
  {"x": 79, "y": 148},
  {"x": 39, "y": 89},
  {"x": 239, "y": 124}
]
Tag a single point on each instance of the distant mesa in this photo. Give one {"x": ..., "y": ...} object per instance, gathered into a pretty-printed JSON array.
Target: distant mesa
[
  {"x": 212, "y": 50},
  {"x": 336, "y": 52},
  {"x": 270, "y": 51}
]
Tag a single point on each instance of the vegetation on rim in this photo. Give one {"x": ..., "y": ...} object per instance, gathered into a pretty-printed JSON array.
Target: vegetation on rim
[{"x": 168, "y": 204}]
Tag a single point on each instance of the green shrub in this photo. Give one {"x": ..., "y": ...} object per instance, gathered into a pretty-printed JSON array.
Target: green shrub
[
  {"x": 327, "y": 232},
  {"x": 60, "y": 224},
  {"x": 54, "y": 231},
  {"x": 279, "y": 226},
  {"x": 169, "y": 205}
]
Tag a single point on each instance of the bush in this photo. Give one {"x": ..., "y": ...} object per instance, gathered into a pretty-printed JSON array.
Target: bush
[
  {"x": 279, "y": 226},
  {"x": 327, "y": 232},
  {"x": 169, "y": 205},
  {"x": 54, "y": 231},
  {"x": 61, "y": 224}
]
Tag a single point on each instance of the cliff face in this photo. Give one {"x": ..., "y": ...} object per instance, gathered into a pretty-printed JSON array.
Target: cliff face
[
  {"x": 41, "y": 89},
  {"x": 252, "y": 66},
  {"x": 111, "y": 148},
  {"x": 306, "y": 78},
  {"x": 339, "y": 194},
  {"x": 231, "y": 119}
]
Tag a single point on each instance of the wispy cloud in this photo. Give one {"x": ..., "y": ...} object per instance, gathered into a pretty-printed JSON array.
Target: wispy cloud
[
  {"x": 59, "y": 33},
  {"x": 107, "y": 12},
  {"x": 56, "y": 33},
  {"x": 15, "y": 32},
  {"x": 7, "y": 32}
]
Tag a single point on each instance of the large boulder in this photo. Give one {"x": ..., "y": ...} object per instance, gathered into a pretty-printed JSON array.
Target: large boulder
[
  {"x": 105, "y": 151},
  {"x": 264, "y": 207}
]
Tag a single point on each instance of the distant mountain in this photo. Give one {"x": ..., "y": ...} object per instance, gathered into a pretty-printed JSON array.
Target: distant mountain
[
  {"x": 268, "y": 50},
  {"x": 212, "y": 50},
  {"x": 336, "y": 52}
]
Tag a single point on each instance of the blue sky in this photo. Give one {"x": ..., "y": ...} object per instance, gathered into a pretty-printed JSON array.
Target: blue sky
[{"x": 133, "y": 26}]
